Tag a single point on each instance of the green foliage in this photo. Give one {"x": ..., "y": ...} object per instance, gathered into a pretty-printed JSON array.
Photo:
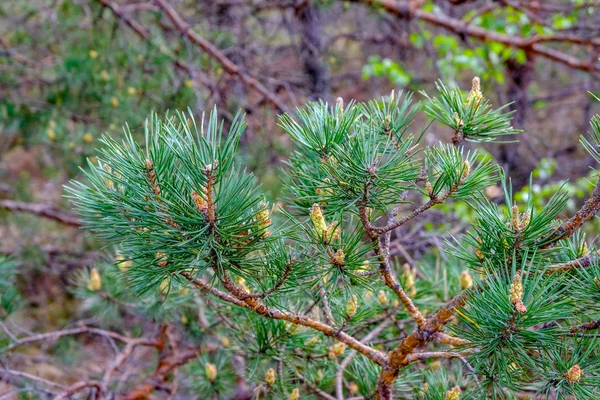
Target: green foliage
[
  {"x": 471, "y": 116},
  {"x": 10, "y": 298},
  {"x": 181, "y": 207}
]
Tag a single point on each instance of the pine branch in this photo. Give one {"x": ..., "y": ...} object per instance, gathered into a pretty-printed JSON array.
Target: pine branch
[
  {"x": 582, "y": 262},
  {"x": 569, "y": 227},
  {"x": 295, "y": 318},
  {"x": 439, "y": 354}
]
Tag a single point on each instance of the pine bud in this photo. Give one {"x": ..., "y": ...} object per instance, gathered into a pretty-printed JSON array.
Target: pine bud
[
  {"x": 295, "y": 395},
  {"x": 479, "y": 254},
  {"x": 574, "y": 374},
  {"x": 352, "y": 306},
  {"x": 466, "y": 281},
  {"x": 331, "y": 232},
  {"x": 107, "y": 182},
  {"x": 262, "y": 217},
  {"x": 475, "y": 94},
  {"x": 165, "y": 284},
  {"x": 354, "y": 389},
  {"x": 466, "y": 169},
  {"x": 161, "y": 258},
  {"x": 270, "y": 376},
  {"x": 382, "y": 298},
  {"x": 459, "y": 122},
  {"x": 525, "y": 218},
  {"x": 184, "y": 319},
  {"x": 516, "y": 293},
  {"x": 241, "y": 282},
  {"x": 429, "y": 188},
  {"x": 122, "y": 262},
  {"x": 210, "y": 370},
  {"x": 317, "y": 219},
  {"x": 312, "y": 341},
  {"x": 199, "y": 200},
  {"x": 95, "y": 282},
  {"x": 340, "y": 103},
  {"x": 597, "y": 281},
  {"x": 339, "y": 257},
  {"x": 396, "y": 303},
  {"x": 453, "y": 394},
  {"x": 583, "y": 250},
  {"x": 409, "y": 280},
  {"x": 225, "y": 342},
  {"x": 393, "y": 95},
  {"x": 515, "y": 217},
  {"x": 88, "y": 138},
  {"x": 336, "y": 350}
]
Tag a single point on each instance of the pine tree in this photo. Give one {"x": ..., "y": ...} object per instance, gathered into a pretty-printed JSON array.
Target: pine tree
[{"x": 306, "y": 290}]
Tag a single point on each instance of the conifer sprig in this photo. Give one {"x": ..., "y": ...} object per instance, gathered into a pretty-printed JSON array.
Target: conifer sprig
[{"x": 323, "y": 305}]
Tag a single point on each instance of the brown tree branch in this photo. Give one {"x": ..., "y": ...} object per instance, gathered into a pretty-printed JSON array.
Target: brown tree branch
[
  {"x": 293, "y": 317},
  {"x": 42, "y": 210},
  {"x": 229, "y": 66},
  {"x": 531, "y": 45}
]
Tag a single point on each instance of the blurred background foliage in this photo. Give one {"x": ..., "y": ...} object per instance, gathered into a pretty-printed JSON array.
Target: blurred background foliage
[{"x": 73, "y": 70}]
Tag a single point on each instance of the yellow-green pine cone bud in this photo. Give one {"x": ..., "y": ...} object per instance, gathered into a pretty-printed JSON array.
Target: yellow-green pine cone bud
[
  {"x": 352, "y": 306},
  {"x": 525, "y": 218},
  {"x": 225, "y": 342},
  {"x": 270, "y": 376},
  {"x": 199, "y": 200},
  {"x": 295, "y": 395},
  {"x": 515, "y": 217},
  {"x": 466, "y": 281},
  {"x": 475, "y": 94},
  {"x": 382, "y": 298},
  {"x": 165, "y": 284},
  {"x": 339, "y": 257},
  {"x": 479, "y": 254},
  {"x": 354, "y": 389},
  {"x": 516, "y": 289},
  {"x": 331, "y": 232},
  {"x": 429, "y": 188},
  {"x": 466, "y": 169},
  {"x": 123, "y": 263},
  {"x": 312, "y": 341},
  {"x": 317, "y": 219},
  {"x": 574, "y": 374},
  {"x": 516, "y": 293},
  {"x": 459, "y": 122},
  {"x": 95, "y": 282},
  {"x": 340, "y": 103},
  {"x": 597, "y": 281},
  {"x": 409, "y": 280},
  {"x": 162, "y": 259},
  {"x": 336, "y": 350},
  {"x": 210, "y": 370},
  {"x": 453, "y": 394},
  {"x": 262, "y": 217}
]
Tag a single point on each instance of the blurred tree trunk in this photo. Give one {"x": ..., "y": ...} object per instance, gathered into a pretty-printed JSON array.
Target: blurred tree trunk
[
  {"x": 518, "y": 78},
  {"x": 310, "y": 50}
]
